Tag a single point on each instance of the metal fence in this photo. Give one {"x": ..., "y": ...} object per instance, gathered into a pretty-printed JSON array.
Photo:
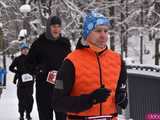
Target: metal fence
[{"x": 144, "y": 91}]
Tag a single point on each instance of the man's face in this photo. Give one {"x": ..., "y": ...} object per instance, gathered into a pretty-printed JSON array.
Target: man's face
[
  {"x": 99, "y": 36},
  {"x": 55, "y": 30},
  {"x": 24, "y": 51}
]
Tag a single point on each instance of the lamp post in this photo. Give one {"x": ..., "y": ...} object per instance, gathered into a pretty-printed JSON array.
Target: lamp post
[
  {"x": 141, "y": 47},
  {"x": 141, "y": 35},
  {"x": 26, "y": 8},
  {"x": 157, "y": 53},
  {"x": 126, "y": 32}
]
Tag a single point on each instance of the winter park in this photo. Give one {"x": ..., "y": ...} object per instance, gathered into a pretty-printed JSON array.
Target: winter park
[{"x": 79, "y": 59}]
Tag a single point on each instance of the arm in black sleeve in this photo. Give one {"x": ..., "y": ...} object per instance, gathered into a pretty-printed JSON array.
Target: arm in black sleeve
[
  {"x": 68, "y": 46},
  {"x": 13, "y": 66},
  {"x": 121, "y": 91},
  {"x": 62, "y": 101},
  {"x": 31, "y": 60}
]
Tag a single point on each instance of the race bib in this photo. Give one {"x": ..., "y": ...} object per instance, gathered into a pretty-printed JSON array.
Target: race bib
[
  {"x": 51, "y": 78},
  {"x": 27, "y": 77},
  {"x": 106, "y": 117}
]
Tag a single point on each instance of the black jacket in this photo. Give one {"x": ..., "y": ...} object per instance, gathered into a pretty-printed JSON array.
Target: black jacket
[
  {"x": 62, "y": 100},
  {"x": 18, "y": 67},
  {"x": 46, "y": 55}
]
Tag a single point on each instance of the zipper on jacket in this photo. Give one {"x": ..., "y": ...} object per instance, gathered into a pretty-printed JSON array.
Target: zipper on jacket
[{"x": 100, "y": 76}]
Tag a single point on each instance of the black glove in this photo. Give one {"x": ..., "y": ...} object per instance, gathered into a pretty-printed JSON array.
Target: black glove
[
  {"x": 122, "y": 100},
  {"x": 16, "y": 76},
  {"x": 100, "y": 95}
]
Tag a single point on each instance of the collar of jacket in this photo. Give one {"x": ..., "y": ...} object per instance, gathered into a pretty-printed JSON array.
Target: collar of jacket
[
  {"x": 61, "y": 40},
  {"x": 50, "y": 37}
]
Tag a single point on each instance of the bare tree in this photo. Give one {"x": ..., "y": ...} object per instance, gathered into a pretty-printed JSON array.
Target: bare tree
[{"x": 126, "y": 16}]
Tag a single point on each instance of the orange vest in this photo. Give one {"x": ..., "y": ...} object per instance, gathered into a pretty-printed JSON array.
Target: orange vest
[{"x": 87, "y": 77}]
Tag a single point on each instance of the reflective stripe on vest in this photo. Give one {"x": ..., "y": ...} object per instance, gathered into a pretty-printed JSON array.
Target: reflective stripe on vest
[{"x": 87, "y": 77}]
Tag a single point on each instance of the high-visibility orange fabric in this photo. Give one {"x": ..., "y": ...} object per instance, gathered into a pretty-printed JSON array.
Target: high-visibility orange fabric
[{"x": 87, "y": 77}]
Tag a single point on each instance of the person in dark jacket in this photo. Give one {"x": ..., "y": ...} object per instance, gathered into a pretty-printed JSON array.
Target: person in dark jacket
[
  {"x": 91, "y": 82},
  {"x": 25, "y": 83},
  {"x": 44, "y": 59}
]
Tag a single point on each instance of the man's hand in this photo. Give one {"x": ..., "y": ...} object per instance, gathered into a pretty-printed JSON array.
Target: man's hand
[{"x": 100, "y": 95}]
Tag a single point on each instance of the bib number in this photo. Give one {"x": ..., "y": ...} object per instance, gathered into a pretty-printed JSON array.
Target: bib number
[
  {"x": 27, "y": 77},
  {"x": 51, "y": 78}
]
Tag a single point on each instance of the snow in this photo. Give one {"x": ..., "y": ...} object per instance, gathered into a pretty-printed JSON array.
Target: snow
[
  {"x": 143, "y": 72},
  {"x": 1, "y": 25},
  {"x": 25, "y": 8},
  {"x": 8, "y": 101},
  {"x": 134, "y": 50}
]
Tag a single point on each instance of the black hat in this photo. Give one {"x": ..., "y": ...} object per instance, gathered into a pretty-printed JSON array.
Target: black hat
[{"x": 55, "y": 20}]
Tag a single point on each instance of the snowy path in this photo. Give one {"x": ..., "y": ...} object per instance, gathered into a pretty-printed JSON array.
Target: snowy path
[{"x": 9, "y": 102}]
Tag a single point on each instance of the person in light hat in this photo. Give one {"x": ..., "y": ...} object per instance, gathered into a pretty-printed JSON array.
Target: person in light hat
[
  {"x": 24, "y": 83},
  {"x": 91, "y": 82}
]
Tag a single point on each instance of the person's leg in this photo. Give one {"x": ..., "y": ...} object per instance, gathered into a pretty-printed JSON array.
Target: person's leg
[
  {"x": 21, "y": 102},
  {"x": 43, "y": 104},
  {"x": 29, "y": 101},
  {"x": 60, "y": 116}
]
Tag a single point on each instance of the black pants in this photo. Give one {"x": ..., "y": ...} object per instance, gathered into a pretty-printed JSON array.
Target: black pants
[
  {"x": 25, "y": 99},
  {"x": 44, "y": 104}
]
